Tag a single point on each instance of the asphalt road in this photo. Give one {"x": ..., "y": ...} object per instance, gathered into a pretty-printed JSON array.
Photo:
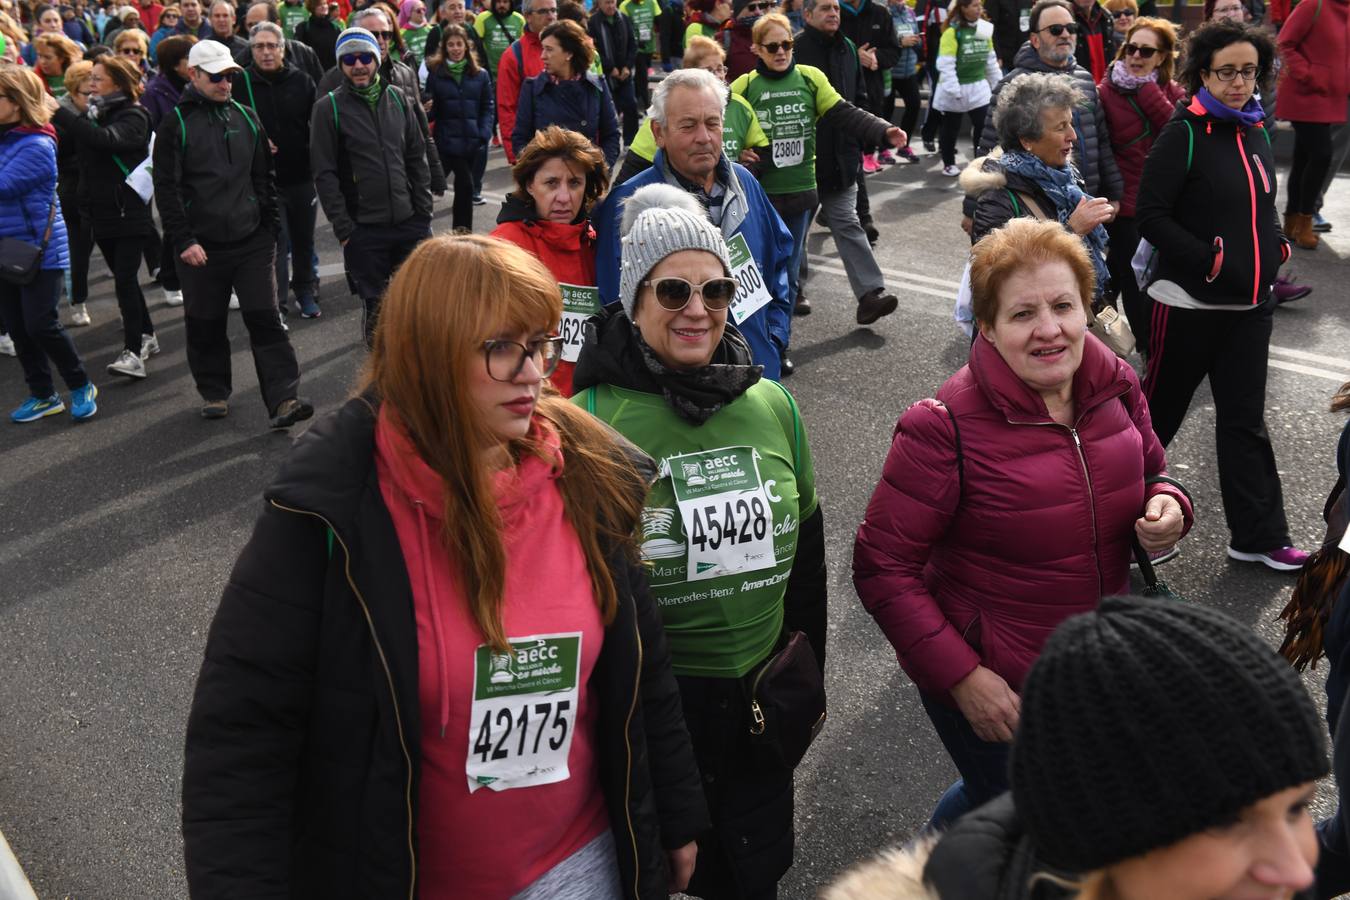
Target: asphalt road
[{"x": 116, "y": 536}]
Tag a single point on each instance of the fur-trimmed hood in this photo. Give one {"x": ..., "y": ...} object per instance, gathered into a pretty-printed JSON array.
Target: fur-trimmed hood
[
  {"x": 983, "y": 174},
  {"x": 894, "y": 874}
]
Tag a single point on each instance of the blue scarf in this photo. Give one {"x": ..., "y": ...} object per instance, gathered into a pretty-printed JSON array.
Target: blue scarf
[
  {"x": 1060, "y": 184},
  {"x": 1251, "y": 114}
]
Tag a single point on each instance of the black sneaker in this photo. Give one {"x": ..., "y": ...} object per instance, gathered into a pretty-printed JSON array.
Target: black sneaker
[
  {"x": 875, "y": 304},
  {"x": 802, "y": 307},
  {"x": 786, "y": 367},
  {"x": 215, "y": 409},
  {"x": 291, "y": 411}
]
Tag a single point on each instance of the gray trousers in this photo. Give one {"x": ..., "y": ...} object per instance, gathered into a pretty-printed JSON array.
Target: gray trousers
[
  {"x": 841, "y": 211},
  {"x": 1340, "y": 149}
]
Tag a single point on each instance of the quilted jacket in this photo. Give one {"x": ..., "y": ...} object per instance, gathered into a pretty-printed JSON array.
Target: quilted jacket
[
  {"x": 28, "y": 188},
  {"x": 974, "y": 560}
]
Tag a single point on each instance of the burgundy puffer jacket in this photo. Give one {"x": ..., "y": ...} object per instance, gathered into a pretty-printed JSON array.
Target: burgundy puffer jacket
[
  {"x": 963, "y": 569},
  {"x": 1134, "y": 119}
]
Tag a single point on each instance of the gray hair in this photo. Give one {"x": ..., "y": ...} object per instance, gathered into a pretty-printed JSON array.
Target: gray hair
[
  {"x": 698, "y": 79},
  {"x": 212, "y": 8},
  {"x": 268, "y": 28},
  {"x": 526, "y": 6},
  {"x": 361, "y": 15},
  {"x": 810, "y": 6},
  {"x": 1017, "y": 116}
]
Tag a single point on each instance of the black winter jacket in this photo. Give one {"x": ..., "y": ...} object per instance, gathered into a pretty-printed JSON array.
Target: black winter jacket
[
  {"x": 988, "y": 854},
  {"x": 1092, "y": 152},
  {"x": 615, "y": 41},
  {"x": 121, "y": 134},
  {"x": 394, "y": 72},
  {"x": 213, "y": 174},
  {"x": 296, "y": 55},
  {"x": 370, "y": 166},
  {"x": 986, "y": 182},
  {"x": 1208, "y": 188},
  {"x": 320, "y": 35},
  {"x": 283, "y": 102},
  {"x": 461, "y": 112},
  {"x": 1006, "y": 17},
  {"x": 871, "y": 24},
  {"x": 838, "y": 151},
  {"x": 302, "y": 760}
]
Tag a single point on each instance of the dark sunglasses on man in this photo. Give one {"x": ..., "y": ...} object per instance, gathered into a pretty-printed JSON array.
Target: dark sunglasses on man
[
  {"x": 363, "y": 58},
  {"x": 1056, "y": 30}
]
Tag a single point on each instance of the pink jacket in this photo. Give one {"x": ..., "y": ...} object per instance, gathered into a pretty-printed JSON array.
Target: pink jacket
[
  {"x": 1315, "y": 47},
  {"x": 978, "y": 564}
]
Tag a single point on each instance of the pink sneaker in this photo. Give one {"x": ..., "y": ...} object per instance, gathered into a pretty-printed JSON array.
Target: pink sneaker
[
  {"x": 870, "y": 164},
  {"x": 1285, "y": 559}
]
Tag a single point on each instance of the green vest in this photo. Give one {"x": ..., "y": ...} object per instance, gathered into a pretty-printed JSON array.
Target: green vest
[
  {"x": 694, "y": 29},
  {"x": 415, "y": 39},
  {"x": 720, "y": 525},
  {"x": 642, "y": 13},
  {"x": 788, "y": 109},
  {"x": 291, "y": 15},
  {"x": 498, "y": 34},
  {"x": 740, "y": 129},
  {"x": 971, "y": 52}
]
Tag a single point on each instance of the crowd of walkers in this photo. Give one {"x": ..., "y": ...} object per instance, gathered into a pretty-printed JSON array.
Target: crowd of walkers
[{"x": 590, "y": 397}]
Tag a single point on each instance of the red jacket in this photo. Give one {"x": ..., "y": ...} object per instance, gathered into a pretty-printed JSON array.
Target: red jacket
[
  {"x": 978, "y": 563},
  {"x": 509, "y": 81},
  {"x": 1315, "y": 80},
  {"x": 568, "y": 251},
  {"x": 1134, "y": 126}
]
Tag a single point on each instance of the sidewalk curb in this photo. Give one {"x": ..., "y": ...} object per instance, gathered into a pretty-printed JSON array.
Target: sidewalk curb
[{"x": 13, "y": 883}]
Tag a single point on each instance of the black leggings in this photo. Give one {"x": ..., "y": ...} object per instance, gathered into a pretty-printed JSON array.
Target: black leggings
[
  {"x": 951, "y": 126},
  {"x": 906, "y": 91},
  {"x": 460, "y": 169},
  {"x": 123, "y": 255},
  {"x": 1312, "y": 159}
]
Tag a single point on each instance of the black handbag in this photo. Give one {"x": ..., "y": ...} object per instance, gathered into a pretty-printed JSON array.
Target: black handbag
[
  {"x": 787, "y": 701},
  {"x": 20, "y": 260}
]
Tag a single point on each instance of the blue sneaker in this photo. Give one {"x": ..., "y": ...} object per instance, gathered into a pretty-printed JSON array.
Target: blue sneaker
[
  {"x": 309, "y": 309},
  {"x": 82, "y": 405},
  {"x": 35, "y": 408}
]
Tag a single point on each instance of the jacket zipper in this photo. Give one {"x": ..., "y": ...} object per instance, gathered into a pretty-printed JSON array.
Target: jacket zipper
[
  {"x": 1092, "y": 503},
  {"x": 1251, "y": 193},
  {"x": 628, "y": 748},
  {"x": 389, "y": 677}
]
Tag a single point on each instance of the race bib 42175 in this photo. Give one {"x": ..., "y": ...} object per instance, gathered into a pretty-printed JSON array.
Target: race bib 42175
[{"x": 524, "y": 712}]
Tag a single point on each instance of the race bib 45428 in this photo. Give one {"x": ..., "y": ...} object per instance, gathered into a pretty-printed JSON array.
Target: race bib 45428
[{"x": 524, "y": 712}]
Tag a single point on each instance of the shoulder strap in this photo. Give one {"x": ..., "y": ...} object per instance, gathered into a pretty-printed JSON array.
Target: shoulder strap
[
  {"x": 1190, "y": 143},
  {"x": 252, "y": 126},
  {"x": 520, "y": 57},
  {"x": 1033, "y": 207},
  {"x": 1148, "y": 126},
  {"x": 590, "y": 400},
  {"x": 336, "y": 126},
  {"x": 248, "y": 83},
  {"x": 960, "y": 452},
  {"x": 182, "y": 126},
  {"x": 1012, "y": 195}
]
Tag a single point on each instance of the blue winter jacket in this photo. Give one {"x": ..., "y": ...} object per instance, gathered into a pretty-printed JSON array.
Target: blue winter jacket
[
  {"x": 745, "y": 211},
  {"x": 583, "y": 105},
  {"x": 462, "y": 112},
  {"x": 28, "y": 189}
]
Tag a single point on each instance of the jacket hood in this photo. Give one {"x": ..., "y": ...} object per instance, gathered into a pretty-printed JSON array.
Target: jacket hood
[
  {"x": 331, "y": 465},
  {"x": 983, "y": 174},
  {"x": 1099, "y": 378},
  {"x": 516, "y": 209},
  {"x": 195, "y": 97},
  {"x": 988, "y": 854},
  {"x": 49, "y": 130},
  {"x": 564, "y": 236},
  {"x": 895, "y": 874}
]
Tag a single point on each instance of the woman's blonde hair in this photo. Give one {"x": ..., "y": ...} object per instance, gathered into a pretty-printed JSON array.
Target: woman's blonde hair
[
  {"x": 767, "y": 21},
  {"x": 1118, "y": 5},
  {"x": 700, "y": 50},
  {"x": 77, "y": 75},
  {"x": 22, "y": 85},
  {"x": 1018, "y": 245},
  {"x": 452, "y": 294},
  {"x": 65, "y": 49},
  {"x": 132, "y": 36},
  {"x": 1167, "y": 41}
]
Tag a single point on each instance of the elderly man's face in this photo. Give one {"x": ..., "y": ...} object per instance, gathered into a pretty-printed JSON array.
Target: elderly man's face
[
  {"x": 222, "y": 19},
  {"x": 542, "y": 14},
  {"x": 692, "y": 135},
  {"x": 453, "y": 12},
  {"x": 824, "y": 17},
  {"x": 269, "y": 52},
  {"x": 256, "y": 15},
  {"x": 1229, "y": 11},
  {"x": 1055, "y": 49},
  {"x": 376, "y": 23}
]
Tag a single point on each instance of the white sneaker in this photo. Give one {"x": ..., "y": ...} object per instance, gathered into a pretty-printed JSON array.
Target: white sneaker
[
  {"x": 7, "y": 345},
  {"x": 149, "y": 345},
  {"x": 234, "y": 300},
  {"x": 128, "y": 364},
  {"x": 951, "y": 171},
  {"x": 80, "y": 315},
  {"x": 173, "y": 298}
]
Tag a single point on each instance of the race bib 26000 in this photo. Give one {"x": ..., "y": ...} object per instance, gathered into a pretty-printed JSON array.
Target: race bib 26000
[{"x": 524, "y": 712}]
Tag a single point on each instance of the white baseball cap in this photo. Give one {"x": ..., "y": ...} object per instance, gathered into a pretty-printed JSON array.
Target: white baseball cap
[{"x": 211, "y": 56}]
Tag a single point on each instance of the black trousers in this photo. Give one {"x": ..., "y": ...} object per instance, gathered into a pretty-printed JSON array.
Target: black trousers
[
  {"x": 906, "y": 91},
  {"x": 460, "y": 170},
  {"x": 639, "y": 79},
  {"x": 749, "y": 794},
  {"x": 1232, "y": 349},
  {"x": 247, "y": 268},
  {"x": 1123, "y": 241},
  {"x": 932, "y": 121},
  {"x": 625, "y": 103},
  {"x": 81, "y": 245},
  {"x": 299, "y": 207},
  {"x": 372, "y": 254},
  {"x": 28, "y": 313},
  {"x": 1312, "y": 159},
  {"x": 951, "y": 127},
  {"x": 123, "y": 255}
]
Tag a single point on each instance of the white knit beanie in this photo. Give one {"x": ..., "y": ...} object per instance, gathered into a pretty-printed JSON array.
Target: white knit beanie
[{"x": 658, "y": 220}]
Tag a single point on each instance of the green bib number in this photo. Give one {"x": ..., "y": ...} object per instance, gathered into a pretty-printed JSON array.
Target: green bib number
[
  {"x": 752, "y": 294},
  {"x": 726, "y": 514},
  {"x": 579, "y": 304}
]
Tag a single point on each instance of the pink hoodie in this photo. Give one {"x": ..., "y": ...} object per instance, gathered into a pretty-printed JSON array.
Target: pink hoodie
[{"x": 492, "y": 843}]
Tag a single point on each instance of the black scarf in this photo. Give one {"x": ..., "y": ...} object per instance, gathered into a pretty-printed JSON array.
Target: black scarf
[{"x": 616, "y": 354}]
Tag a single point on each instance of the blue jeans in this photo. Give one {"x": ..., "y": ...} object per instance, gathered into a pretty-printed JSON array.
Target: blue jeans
[
  {"x": 797, "y": 225},
  {"x": 983, "y": 765}
]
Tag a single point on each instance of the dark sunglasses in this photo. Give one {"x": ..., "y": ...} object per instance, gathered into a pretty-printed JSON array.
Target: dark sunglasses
[
  {"x": 674, "y": 293},
  {"x": 1057, "y": 30},
  {"x": 1141, "y": 52},
  {"x": 1122, "y": 14},
  {"x": 217, "y": 77},
  {"x": 758, "y": 7},
  {"x": 352, "y": 59},
  {"x": 387, "y": 35},
  {"x": 773, "y": 46}
]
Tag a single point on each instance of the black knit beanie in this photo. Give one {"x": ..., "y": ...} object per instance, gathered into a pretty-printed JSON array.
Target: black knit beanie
[{"x": 1150, "y": 720}]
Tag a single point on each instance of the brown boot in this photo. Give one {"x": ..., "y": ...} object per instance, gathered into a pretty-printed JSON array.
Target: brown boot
[{"x": 1303, "y": 234}]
